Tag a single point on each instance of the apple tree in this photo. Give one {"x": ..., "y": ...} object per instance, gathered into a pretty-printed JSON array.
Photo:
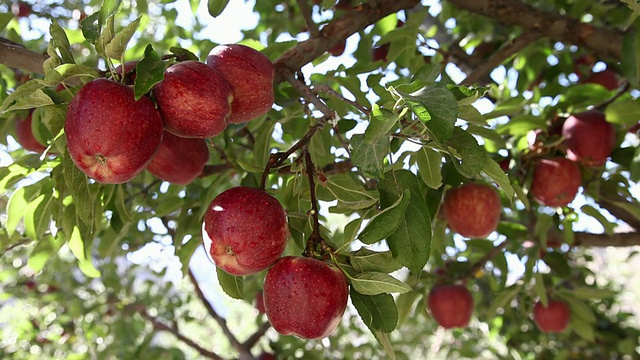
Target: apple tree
[{"x": 370, "y": 179}]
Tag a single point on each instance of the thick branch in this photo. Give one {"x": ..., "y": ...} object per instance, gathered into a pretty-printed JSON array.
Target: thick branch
[
  {"x": 605, "y": 42},
  {"x": 18, "y": 57},
  {"x": 604, "y": 240}
]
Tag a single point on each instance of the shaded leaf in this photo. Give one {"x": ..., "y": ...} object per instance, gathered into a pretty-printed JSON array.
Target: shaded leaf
[
  {"x": 378, "y": 312},
  {"x": 387, "y": 221},
  {"x": 232, "y": 285}
]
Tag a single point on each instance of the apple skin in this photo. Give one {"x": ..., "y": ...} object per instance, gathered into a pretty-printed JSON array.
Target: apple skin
[
  {"x": 179, "y": 160},
  {"x": 129, "y": 71},
  {"x": 555, "y": 181},
  {"x": 111, "y": 137},
  {"x": 260, "y": 302},
  {"x": 251, "y": 76},
  {"x": 589, "y": 138},
  {"x": 551, "y": 319},
  {"x": 21, "y": 9},
  {"x": 607, "y": 78},
  {"x": 305, "y": 297},
  {"x": 24, "y": 135},
  {"x": 451, "y": 305},
  {"x": 194, "y": 100},
  {"x": 266, "y": 356},
  {"x": 472, "y": 210},
  {"x": 245, "y": 230},
  {"x": 338, "y": 49},
  {"x": 379, "y": 53}
]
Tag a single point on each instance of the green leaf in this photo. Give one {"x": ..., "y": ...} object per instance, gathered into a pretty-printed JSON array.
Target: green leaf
[
  {"x": 183, "y": 54},
  {"x": 541, "y": 290},
  {"x": 608, "y": 226},
  {"x": 123, "y": 210},
  {"x": 59, "y": 37},
  {"x": 411, "y": 241},
  {"x": 232, "y": 285},
  {"x": 43, "y": 250},
  {"x": 262, "y": 145},
  {"x": 387, "y": 221},
  {"x": 436, "y": 107},
  {"x": 37, "y": 215},
  {"x": 493, "y": 170},
  {"x": 65, "y": 71},
  {"x": 106, "y": 36},
  {"x": 578, "y": 307},
  {"x": 76, "y": 244},
  {"x": 469, "y": 157},
  {"x": 149, "y": 71},
  {"x": 17, "y": 206},
  {"x": 91, "y": 27},
  {"x": 369, "y": 156},
  {"x": 109, "y": 8},
  {"x": 378, "y": 312},
  {"x": 374, "y": 283},
  {"x": 590, "y": 293},
  {"x": 626, "y": 112},
  {"x": 116, "y": 47},
  {"x": 634, "y": 167},
  {"x": 429, "y": 166},
  {"x": 385, "y": 341},
  {"x": 216, "y": 7},
  {"x": 630, "y": 59},
  {"x": 381, "y": 121},
  {"x": 503, "y": 299},
  {"x": 582, "y": 328},
  {"x": 88, "y": 269},
  {"x": 365, "y": 260},
  {"x": 77, "y": 184},
  {"x": 27, "y": 96}
]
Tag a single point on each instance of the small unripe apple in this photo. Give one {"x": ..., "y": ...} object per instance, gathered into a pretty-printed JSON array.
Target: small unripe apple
[
  {"x": 451, "y": 305},
  {"x": 589, "y": 138},
  {"x": 472, "y": 210},
  {"x": 305, "y": 297},
  {"x": 555, "y": 181},
  {"x": 245, "y": 230},
  {"x": 179, "y": 160},
  {"x": 551, "y": 319},
  {"x": 251, "y": 76},
  {"x": 25, "y": 137},
  {"x": 194, "y": 100},
  {"x": 111, "y": 137}
]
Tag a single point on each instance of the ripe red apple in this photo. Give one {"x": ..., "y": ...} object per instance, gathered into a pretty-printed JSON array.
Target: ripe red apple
[
  {"x": 338, "y": 49},
  {"x": 129, "y": 71},
  {"x": 555, "y": 181},
  {"x": 260, "y": 302},
  {"x": 111, "y": 137},
  {"x": 266, "y": 356},
  {"x": 250, "y": 74},
  {"x": 551, "y": 319},
  {"x": 607, "y": 78},
  {"x": 245, "y": 230},
  {"x": 451, "y": 305},
  {"x": 21, "y": 9},
  {"x": 472, "y": 210},
  {"x": 589, "y": 138},
  {"x": 24, "y": 135},
  {"x": 179, "y": 160},
  {"x": 379, "y": 53},
  {"x": 194, "y": 100},
  {"x": 305, "y": 297}
]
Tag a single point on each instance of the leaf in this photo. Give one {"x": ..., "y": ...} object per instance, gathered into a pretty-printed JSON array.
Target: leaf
[
  {"x": 262, "y": 145},
  {"x": 378, "y": 312},
  {"x": 385, "y": 222},
  {"x": 106, "y": 36},
  {"x": 365, "y": 260},
  {"x": 541, "y": 291},
  {"x": 109, "y": 8},
  {"x": 578, "y": 307},
  {"x": 436, "y": 107},
  {"x": 471, "y": 115},
  {"x": 493, "y": 170},
  {"x": 91, "y": 27},
  {"x": 216, "y": 7},
  {"x": 633, "y": 5},
  {"x": 429, "y": 166},
  {"x": 634, "y": 167},
  {"x": 183, "y": 54},
  {"x": 76, "y": 244},
  {"x": 503, "y": 299},
  {"x": 608, "y": 226},
  {"x": 149, "y": 71},
  {"x": 411, "y": 242},
  {"x": 590, "y": 293},
  {"x": 381, "y": 121},
  {"x": 37, "y": 215},
  {"x": 374, "y": 283},
  {"x": 17, "y": 205},
  {"x": 630, "y": 58},
  {"x": 78, "y": 186},
  {"x": 27, "y": 96},
  {"x": 116, "y": 47},
  {"x": 369, "y": 156},
  {"x": 626, "y": 112},
  {"x": 65, "y": 71},
  {"x": 43, "y": 250},
  {"x": 232, "y": 285},
  {"x": 582, "y": 328},
  {"x": 59, "y": 37},
  {"x": 384, "y": 340}
]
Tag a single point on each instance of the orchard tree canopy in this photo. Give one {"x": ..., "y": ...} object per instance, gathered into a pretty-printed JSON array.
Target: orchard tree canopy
[{"x": 446, "y": 170}]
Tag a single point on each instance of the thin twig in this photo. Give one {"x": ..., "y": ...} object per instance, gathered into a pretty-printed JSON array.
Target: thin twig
[
  {"x": 324, "y": 88},
  {"x": 619, "y": 93},
  {"x": 305, "y": 9},
  {"x": 306, "y": 91},
  {"x": 256, "y": 336}
]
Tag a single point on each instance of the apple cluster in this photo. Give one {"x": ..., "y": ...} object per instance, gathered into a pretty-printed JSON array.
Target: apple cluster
[
  {"x": 112, "y": 137},
  {"x": 245, "y": 231}
]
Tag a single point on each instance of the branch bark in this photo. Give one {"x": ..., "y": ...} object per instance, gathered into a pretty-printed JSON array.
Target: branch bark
[
  {"x": 605, "y": 42},
  {"x": 16, "y": 56},
  {"x": 602, "y": 240}
]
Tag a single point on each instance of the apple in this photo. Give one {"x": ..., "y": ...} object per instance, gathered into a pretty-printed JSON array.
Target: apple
[
  {"x": 305, "y": 297},
  {"x": 338, "y": 49},
  {"x": 129, "y": 71},
  {"x": 194, "y": 100},
  {"x": 245, "y": 230},
  {"x": 451, "y": 305},
  {"x": 635, "y": 129},
  {"x": 260, "y": 302},
  {"x": 555, "y": 181},
  {"x": 111, "y": 137},
  {"x": 379, "y": 53},
  {"x": 607, "y": 78},
  {"x": 21, "y": 9},
  {"x": 179, "y": 160},
  {"x": 589, "y": 138},
  {"x": 551, "y": 319},
  {"x": 24, "y": 135},
  {"x": 251, "y": 76},
  {"x": 472, "y": 210},
  {"x": 266, "y": 356}
]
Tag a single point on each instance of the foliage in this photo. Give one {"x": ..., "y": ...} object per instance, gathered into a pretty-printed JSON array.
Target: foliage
[{"x": 386, "y": 140}]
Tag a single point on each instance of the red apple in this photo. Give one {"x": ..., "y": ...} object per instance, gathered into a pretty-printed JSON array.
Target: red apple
[
  {"x": 21, "y": 9},
  {"x": 338, "y": 49},
  {"x": 111, "y": 137},
  {"x": 245, "y": 230},
  {"x": 451, "y": 305},
  {"x": 472, "y": 210},
  {"x": 555, "y": 181},
  {"x": 179, "y": 160},
  {"x": 589, "y": 138},
  {"x": 379, "y": 53},
  {"x": 129, "y": 71},
  {"x": 260, "y": 302},
  {"x": 24, "y": 135},
  {"x": 607, "y": 78},
  {"x": 266, "y": 356},
  {"x": 194, "y": 100},
  {"x": 551, "y": 319},
  {"x": 635, "y": 129},
  {"x": 305, "y": 297},
  {"x": 251, "y": 76}
]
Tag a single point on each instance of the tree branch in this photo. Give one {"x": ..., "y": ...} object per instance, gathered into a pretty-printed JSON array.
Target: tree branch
[
  {"x": 602, "y": 240},
  {"x": 16, "y": 56},
  {"x": 605, "y": 42},
  {"x": 253, "y": 339}
]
